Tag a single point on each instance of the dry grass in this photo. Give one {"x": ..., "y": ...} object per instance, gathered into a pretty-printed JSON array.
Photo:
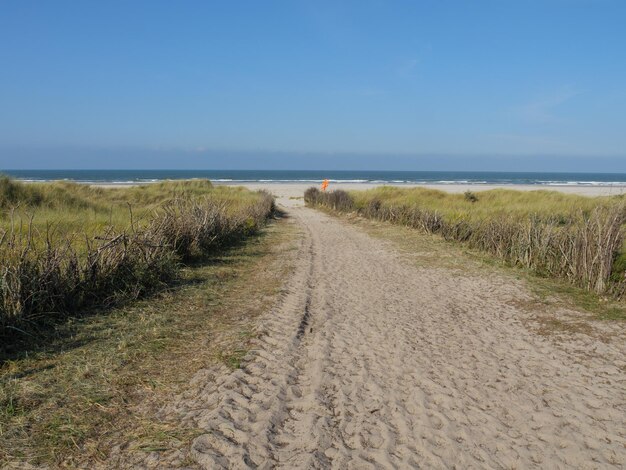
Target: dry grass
[
  {"x": 571, "y": 237},
  {"x": 73, "y": 265},
  {"x": 99, "y": 384}
]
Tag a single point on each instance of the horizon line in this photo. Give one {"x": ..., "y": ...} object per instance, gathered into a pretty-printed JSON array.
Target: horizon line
[{"x": 310, "y": 170}]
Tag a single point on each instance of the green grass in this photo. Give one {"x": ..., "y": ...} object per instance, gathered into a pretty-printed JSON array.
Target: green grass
[
  {"x": 65, "y": 209},
  {"x": 496, "y": 201}
]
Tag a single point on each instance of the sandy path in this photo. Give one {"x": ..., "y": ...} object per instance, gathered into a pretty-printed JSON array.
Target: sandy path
[{"x": 370, "y": 362}]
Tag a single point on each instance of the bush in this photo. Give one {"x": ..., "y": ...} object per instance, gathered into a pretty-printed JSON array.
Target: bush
[
  {"x": 311, "y": 196},
  {"x": 470, "y": 196},
  {"x": 336, "y": 200}
]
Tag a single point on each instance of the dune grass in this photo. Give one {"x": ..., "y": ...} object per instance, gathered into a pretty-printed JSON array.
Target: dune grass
[
  {"x": 485, "y": 204},
  {"x": 101, "y": 380},
  {"x": 66, "y": 208},
  {"x": 67, "y": 248},
  {"x": 577, "y": 238}
]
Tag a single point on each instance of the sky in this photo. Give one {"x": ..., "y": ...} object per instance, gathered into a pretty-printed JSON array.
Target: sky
[{"x": 433, "y": 84}]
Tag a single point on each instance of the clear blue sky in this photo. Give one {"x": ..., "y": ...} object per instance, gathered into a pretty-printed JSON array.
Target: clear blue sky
[{"x": 254, "y": 84}]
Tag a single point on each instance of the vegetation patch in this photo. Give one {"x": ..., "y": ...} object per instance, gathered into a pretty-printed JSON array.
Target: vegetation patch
[
  {"x": 66, "y": 249},
  {"x": 576, "y": 238}
]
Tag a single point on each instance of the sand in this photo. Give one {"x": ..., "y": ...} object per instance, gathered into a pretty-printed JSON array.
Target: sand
[
  {"x": 297, "y": 189},
  {"x": 369, "y": 361}
]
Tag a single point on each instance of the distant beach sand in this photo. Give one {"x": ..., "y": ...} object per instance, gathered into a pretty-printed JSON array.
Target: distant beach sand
[{"x": 287, "y": 190}]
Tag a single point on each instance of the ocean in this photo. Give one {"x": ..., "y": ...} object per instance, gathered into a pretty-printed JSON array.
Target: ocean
[{"x": 315, "y": 176}]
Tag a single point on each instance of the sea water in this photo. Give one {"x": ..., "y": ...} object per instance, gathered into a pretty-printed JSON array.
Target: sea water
[{"x": 315, "y": 176}]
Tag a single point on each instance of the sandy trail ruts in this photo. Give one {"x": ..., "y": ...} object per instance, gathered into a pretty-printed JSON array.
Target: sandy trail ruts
[{"x": 370, "y": 362}]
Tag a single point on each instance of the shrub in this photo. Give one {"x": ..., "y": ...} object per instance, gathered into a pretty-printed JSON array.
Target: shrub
[
  {"x": 311, "y": 195},
  {"x": 336, "y": 200},
  {"x": 470, "y": 196}
]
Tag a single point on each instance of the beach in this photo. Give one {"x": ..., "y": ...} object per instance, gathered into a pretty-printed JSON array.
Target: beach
[
  {"x": 341, "y": 341},
  {"x": 284, "y": 191},
  {"x": 293, "y": 183},
  {"x": 313, "y": 235}
]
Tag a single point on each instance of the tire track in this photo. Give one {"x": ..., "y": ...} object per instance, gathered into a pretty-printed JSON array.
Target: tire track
[{"x": 251, "y": 403}]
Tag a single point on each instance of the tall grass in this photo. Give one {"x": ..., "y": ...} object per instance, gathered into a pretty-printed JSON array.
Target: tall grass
[
  {"x": 573, "y": 237},
  {"x": 65, "y": 248}
]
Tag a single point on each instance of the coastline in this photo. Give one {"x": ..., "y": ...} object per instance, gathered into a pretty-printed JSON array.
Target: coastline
[{"x": 295, "y": 189}]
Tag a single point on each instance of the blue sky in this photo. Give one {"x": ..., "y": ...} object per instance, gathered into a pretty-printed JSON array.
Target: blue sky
[{"x": 293, "y": 84}]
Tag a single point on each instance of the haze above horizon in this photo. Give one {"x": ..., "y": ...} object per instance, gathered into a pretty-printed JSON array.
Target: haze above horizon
[{"x": 432, "y": 85}]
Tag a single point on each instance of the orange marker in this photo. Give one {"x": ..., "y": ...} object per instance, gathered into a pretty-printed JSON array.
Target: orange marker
[{"x": 324, "y": 185}]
